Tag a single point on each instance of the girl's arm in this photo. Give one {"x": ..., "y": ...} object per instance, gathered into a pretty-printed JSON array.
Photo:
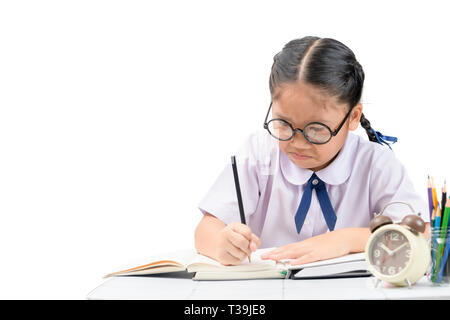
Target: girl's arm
[
  {"x": 324, "y": 246},
  {"x": 207, "y": 235}
]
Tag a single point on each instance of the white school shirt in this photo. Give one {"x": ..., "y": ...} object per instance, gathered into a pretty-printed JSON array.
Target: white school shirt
[{"x": 361, "y": 180}]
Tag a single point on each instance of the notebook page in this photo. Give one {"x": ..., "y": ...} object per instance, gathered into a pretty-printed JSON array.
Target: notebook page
[
  {"x": 203, "y": 263},
  {"x": 339, "y": 260},
  {"x": 180, "y": 258}
]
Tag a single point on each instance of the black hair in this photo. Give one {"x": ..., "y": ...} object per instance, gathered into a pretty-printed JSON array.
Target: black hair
[{"x": 325, "y": 63}]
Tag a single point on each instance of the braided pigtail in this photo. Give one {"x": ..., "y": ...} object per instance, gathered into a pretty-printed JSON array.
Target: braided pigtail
[
  {"x": 366, "y": 125},
  {"x": 376, "y": 136}
]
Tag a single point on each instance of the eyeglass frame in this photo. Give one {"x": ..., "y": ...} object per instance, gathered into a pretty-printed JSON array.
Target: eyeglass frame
[{"x": 294, "y": 130}]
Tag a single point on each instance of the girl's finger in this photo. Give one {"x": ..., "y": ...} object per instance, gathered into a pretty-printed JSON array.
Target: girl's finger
[
  {"x": 242, "y": 229},
  {"x": 254, "y": 244},
  {"x": 230, "y": 259},
  {"x": 240, "y": 242},
  {"x": 236, "y": 252},
  {"x": 266, "y": 255},
  {"x": 275, "y": 252},
  {"x": 287, "y": 254},
  {"x": 306, "y": 258}
]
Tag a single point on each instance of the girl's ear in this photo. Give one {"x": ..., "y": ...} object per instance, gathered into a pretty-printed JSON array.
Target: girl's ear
[{"x": 355, "y": 117}]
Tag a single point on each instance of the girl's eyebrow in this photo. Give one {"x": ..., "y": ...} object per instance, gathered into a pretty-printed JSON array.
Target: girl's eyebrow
[
  {"x": 277, "y": 115},
  {"x": 282, "y": 117}
]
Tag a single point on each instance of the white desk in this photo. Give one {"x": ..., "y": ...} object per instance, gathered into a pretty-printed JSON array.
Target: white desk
[{"x": 160, "y": 288}]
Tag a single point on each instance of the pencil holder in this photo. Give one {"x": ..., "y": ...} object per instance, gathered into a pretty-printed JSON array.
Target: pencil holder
[{"x": 439, "y": 271}]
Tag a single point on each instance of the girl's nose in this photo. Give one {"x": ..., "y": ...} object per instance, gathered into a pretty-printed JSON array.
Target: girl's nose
[{"x": 299, "y": 140}]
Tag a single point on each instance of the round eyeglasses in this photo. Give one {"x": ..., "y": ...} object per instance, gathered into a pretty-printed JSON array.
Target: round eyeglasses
[{"x": 314, "y": 132}]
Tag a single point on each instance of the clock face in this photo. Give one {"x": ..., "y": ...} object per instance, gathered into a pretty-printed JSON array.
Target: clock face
[{"x": 390, "y": 252}]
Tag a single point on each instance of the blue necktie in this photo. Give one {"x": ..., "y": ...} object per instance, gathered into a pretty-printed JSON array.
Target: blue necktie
[{"x": 327, "y": 209}]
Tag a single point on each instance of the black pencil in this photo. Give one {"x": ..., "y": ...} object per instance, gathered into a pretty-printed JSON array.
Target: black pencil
[
  {"x": 238, "y": 189},
  {"x": 238, "y": 192},
  {"x": 444, "y": 196}
]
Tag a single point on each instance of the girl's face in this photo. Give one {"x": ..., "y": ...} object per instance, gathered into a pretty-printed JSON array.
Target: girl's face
[{"x": 301, "y": 103}]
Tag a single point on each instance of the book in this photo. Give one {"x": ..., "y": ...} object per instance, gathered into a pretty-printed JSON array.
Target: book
[
  {"x": 346, "y": 269},
  {"x": 205, "y": 268}
]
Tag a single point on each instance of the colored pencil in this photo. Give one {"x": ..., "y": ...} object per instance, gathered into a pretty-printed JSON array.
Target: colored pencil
[
  {"x": 433, "y": 190},
  {"x": 444, "y": 195},
  {"x": 437, "y": 218},
  {"x": 433, "y": 217},
  {"x": 430, "y": 197},
  {"x": 445, "y": 217},
  {"x": 444, "y": 266},
  {"x": 433, "y": 236}
]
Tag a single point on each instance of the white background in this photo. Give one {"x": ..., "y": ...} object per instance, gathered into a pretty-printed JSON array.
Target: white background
[{"x": 117, "y": 116}]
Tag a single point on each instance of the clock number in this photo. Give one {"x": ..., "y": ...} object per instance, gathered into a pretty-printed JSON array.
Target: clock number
[
  {"x": 395, "y": 236},
  {"x": 408, "y": 253}
]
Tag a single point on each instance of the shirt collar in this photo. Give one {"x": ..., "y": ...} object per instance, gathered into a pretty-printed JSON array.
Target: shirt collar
[{"x": 337, "y": 172}]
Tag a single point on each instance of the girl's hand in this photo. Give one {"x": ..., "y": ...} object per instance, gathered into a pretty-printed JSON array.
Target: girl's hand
[
  {"x": 325, "y": 246},
  {"x": 236, "y": 243}
]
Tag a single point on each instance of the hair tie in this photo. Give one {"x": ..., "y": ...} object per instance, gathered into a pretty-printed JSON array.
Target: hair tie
[{"x": 382, "y": 139}]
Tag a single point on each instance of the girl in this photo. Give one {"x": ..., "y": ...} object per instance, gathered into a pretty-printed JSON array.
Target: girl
[{"x": 310, "y": 187}]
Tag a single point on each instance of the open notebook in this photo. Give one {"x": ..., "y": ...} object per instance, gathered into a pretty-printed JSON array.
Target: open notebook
[{"x": 204, "y": 268}]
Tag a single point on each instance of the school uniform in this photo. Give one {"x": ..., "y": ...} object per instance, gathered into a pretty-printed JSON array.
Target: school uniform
[{"x": 361, "y": 180}]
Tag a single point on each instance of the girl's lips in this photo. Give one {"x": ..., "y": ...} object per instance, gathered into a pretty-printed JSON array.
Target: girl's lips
[{"x": 299, "y": 156}]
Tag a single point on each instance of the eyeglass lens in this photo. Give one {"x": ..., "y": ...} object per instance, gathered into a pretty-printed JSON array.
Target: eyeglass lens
[{"x": 313, "y": 132}]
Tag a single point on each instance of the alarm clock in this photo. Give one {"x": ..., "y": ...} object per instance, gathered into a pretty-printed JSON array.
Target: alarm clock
[{"x": 397, "y": 253}]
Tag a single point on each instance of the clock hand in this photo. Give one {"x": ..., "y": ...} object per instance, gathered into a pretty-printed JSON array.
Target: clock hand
[
  {"x": 386, "y": 249},
  {"x": 399, "y": 247}
]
